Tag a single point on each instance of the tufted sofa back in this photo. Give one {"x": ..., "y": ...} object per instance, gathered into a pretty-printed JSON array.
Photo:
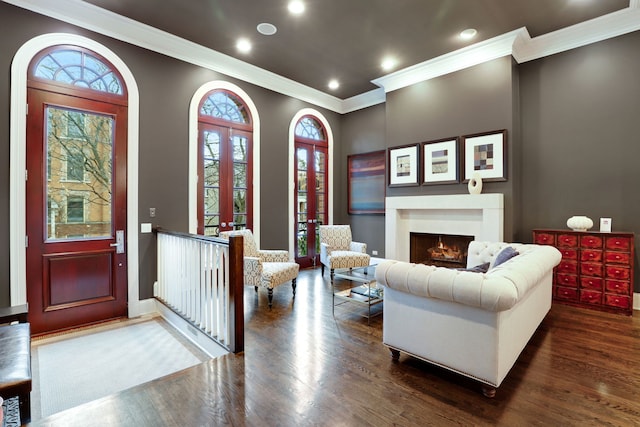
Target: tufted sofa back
[{"x": 480, "y": 252}]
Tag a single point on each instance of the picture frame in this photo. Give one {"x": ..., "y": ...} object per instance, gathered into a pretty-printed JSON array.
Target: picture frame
[
  {"x": 404, "y": 165},
  {"x": 440, "y": 161},
  {"x": 485, "y": 154},
  {"x": 366, "y": 182}
]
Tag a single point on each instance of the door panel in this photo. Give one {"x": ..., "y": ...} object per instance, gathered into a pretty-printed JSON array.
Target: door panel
[
  {"x": 76, "y": 201},
  {"x": 77, "y": 278}
]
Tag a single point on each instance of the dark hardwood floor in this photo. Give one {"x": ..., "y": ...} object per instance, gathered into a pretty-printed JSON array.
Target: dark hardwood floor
[{"x": 302, "y": 367}]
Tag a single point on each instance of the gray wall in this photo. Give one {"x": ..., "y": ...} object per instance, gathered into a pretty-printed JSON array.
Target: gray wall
[
  {"x": 365, "y": 132},
  {"x": 478, "y": 99},
  {"x": 166, "y": 86},
  {"x": 581, "y": 137}
]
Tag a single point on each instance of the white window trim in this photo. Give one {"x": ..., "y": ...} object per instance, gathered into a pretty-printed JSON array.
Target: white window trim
[
  {"x": 193, "y": 152},
  {"x": 17, "y": 195},
  {"x": 292, "y": 154}
]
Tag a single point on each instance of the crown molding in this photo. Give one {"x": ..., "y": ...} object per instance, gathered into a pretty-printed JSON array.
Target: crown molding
[
  {"x": 364, "y": 100},
  {"x": 107, "y": 23},
  {"x": 598, "y": 29},
  {"x": 517, "y": 43},
  {"x": 460, "y": 59}
]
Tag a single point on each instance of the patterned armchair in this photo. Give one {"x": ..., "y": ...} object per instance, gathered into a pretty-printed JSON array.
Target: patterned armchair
[
  {"x": 338, "y": 251},
  {"x": 266, "y": 268}
]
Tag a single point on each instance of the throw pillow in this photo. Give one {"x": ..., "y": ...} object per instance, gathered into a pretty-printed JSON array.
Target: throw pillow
[
  {"x": 482, "y": 268},
  {"x": 504, "y": 255}
]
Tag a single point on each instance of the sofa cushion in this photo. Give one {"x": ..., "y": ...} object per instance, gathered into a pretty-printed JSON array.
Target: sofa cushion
[
  {"x": 505, "y": 255},
  {"x": 480, "y": 268}
]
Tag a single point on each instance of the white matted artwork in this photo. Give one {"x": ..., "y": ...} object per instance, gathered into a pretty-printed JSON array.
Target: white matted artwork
[
  {"x": 440, "y": 161},
  {"x": 485, "y": 154},
  {"x": 404, "y": 165}
]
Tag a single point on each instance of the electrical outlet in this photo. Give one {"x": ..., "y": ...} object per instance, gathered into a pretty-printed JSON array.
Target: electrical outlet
[
  {"x": 152, "y": 212},
  {"x": 374, "y": 252}
]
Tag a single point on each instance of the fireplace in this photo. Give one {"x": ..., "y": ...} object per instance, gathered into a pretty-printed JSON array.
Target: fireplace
[
  {"x": 443, "y": 250},
  {"x": 478, "y": 215}
]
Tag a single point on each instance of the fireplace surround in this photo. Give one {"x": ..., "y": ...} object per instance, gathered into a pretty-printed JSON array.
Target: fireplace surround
[{"x": 477, "y": 215}]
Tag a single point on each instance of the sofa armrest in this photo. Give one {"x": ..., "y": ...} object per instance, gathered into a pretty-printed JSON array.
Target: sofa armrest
[
  {"x": 18, "y": 313},
  {"x": 274, "y": 255},
  {"x": 358, "y": 247}
]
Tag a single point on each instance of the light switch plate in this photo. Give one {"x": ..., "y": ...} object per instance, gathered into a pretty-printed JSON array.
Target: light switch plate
[{"x": 605, "y": 225}]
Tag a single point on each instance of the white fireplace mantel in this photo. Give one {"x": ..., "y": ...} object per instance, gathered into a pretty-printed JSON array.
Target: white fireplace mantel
[{"x": 477, "y": 215}]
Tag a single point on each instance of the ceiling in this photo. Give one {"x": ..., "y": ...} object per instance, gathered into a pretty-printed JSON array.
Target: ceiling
[{"x": 347, "y": 39}]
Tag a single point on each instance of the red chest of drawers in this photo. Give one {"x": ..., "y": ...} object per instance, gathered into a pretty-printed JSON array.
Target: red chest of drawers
[{"x": 596, "y": 269}]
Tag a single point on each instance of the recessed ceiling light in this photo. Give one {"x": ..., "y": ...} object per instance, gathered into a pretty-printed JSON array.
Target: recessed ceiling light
[
  {"x": 296, "y": 7},
  {"x": 334, "y": 84},
  {"x": 388, "y": 64},
  {"x": 469, "y": 33},
  {"x": 266, "y": 29},
  {"x": 243, "y": 45}
]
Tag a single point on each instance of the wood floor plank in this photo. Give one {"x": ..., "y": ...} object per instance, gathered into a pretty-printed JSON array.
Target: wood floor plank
[{"x": 304, "y": 367}]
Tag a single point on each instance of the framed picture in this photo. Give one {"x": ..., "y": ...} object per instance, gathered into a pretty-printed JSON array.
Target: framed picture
[
  {"x": 440, "y": 161},
  {"x": 404, "y": 165},
  {"x": 485, "y": 154},
  {"x": 366, "y": 191}
]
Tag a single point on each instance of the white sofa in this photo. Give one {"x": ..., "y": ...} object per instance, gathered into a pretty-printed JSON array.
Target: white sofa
[{"x": 475, "y": 324}]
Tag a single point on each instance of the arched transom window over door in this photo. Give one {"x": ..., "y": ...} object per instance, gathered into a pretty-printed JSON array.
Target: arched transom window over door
[
  {"x": 76, "y": 207},
  {"x": 311, "y": 188},
  {"x": 225, "y": 156}
]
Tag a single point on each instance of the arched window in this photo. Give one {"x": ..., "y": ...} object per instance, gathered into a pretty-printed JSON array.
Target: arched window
[
  {"x": 311, "y": 188},
  {"x": 225, "y": 157},
  {"x": 78, "y": 68}
]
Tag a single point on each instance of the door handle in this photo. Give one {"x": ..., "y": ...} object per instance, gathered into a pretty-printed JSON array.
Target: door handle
[{"x": 119, "y": 244}]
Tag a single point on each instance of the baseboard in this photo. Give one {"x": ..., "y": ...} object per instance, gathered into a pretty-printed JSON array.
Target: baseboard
[
  {"x": 636, "y": 301},
  {"x": 197, "y": 337}
]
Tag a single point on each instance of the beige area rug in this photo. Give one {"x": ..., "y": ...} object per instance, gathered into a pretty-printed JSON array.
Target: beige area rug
[{"x": 75, "y": 368}]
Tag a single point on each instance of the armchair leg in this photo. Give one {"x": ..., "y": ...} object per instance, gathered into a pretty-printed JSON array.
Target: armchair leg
[
  {"x": 270, "y": 297},
  {"x": 293, "y": 285},
  {"x": 256, "y": 288},
  {"x": 24, "y": 402},
  {"x": 332, "y": 273},
  {"x": 322, "y": 269}
]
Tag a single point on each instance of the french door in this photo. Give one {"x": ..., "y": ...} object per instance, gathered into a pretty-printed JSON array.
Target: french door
[
  {"x": 311, "y": 200},
  {"x": 76, "y": 210},
  {"x": 225, "y": 194}
]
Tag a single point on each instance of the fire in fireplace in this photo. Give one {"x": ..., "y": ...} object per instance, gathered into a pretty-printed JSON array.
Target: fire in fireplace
[{"x": 443, "y": 250}]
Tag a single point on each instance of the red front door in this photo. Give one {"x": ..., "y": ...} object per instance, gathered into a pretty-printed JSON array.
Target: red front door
[{"x": 76, "y": 210}]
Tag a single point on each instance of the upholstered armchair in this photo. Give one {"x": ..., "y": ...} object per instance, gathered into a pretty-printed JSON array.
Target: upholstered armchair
[
  {"x": 338, "y": 251},
  {"x": 266, "y": 268}
]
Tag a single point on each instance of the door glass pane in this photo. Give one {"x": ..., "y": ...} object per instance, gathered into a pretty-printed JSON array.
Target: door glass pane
[
  {"x": 211, "y": 205},
  {"x": 239, "y": 201},
  {"x": 239, "y": 149},
  {"x": 211, "y": 225},
  {"x": 239, "y": 222},
  {"x": 79, "y": 174},
  {"x": 239, "y": 175},
  {"x": 301, "y": 236},
  {"x": 211, "y": 159}
]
